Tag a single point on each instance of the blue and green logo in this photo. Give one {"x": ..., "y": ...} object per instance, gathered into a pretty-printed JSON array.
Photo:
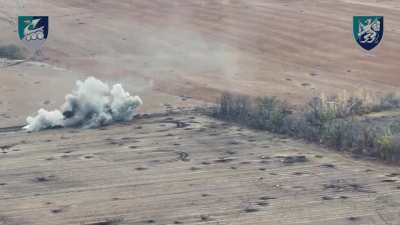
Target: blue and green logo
[
  {"x": 33, "y": 30},
  {"x": 368, "y": 31}
]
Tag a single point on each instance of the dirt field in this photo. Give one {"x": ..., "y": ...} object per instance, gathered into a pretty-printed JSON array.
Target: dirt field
[
  {"x": 187, "y": 169},
  {"x": 164, "y": 50}
]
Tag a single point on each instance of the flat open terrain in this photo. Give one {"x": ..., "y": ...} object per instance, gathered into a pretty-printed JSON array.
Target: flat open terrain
[
  {"x": 187, "y": 169},
  {"x": 163, "y": 50}
]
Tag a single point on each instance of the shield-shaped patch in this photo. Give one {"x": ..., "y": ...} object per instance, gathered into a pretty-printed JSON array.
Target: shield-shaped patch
[{"x": 368, "y": 31}]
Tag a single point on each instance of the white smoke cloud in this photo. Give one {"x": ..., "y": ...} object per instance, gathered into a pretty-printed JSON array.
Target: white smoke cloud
[
  {"x": 91, "y": 104},
  {"x": 44, "y": 119}
]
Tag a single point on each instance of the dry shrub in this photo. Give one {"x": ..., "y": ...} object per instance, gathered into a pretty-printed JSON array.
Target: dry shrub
[
  {"x": 266, "y": 113},
  {"x": 333, "y": 121},
  {"x": 233, "y": 107},
  {"x": 271, "y": 114},
  {"x": 388, "y": 102}
]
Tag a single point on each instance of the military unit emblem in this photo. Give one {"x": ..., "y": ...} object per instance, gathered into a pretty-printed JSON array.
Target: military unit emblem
[
  {"x": 368, "y": 31},
  {"x": 33, "y": 30}
]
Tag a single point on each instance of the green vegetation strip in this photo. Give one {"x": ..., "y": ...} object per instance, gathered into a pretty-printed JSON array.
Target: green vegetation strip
[{"x": 338, "y": 122}]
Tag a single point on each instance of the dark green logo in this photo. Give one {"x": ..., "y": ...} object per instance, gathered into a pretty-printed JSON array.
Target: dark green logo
[
  {"x": 368, "y": 31},
  {"x": 33, "y": 30}
]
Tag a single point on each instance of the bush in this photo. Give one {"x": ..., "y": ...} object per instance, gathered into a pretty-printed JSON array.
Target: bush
[
  {"x": 319, "y": 111},
  {"x": 301, "y": 128},
  {"x": 270, "y": 114},
  {"x": 337, "y": 133},
  {"x": 233, "y": 108},
  {"x": 267, "y": 113},
  {"x": 388, "y": 102},
  {"x": 388, "y": 148},
  {"x": 12, "y": 52},
  {"x": 332, "y": 121},
  {"x": 366, "y": 140}
]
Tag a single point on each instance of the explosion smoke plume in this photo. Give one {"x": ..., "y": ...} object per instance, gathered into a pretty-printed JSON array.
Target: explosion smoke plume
[{"x": 91, "y": 104}]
